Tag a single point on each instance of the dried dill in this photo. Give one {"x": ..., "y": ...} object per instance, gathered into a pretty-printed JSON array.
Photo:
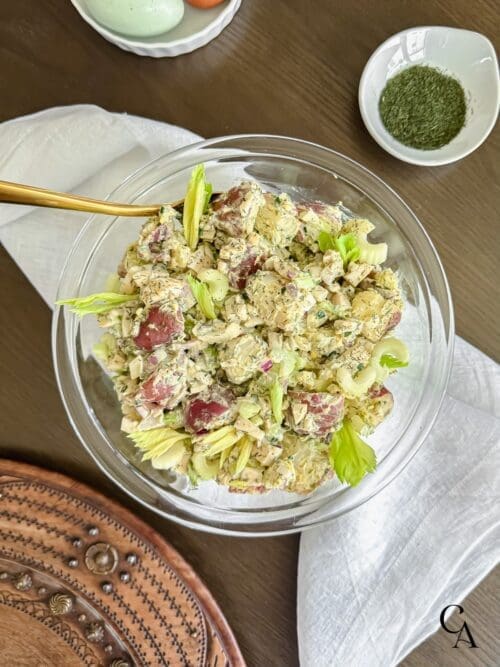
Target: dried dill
[{"x": 423, "y": 108}]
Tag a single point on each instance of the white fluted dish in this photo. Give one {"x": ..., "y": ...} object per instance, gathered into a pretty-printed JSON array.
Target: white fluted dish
[{"x": 197, "y": 28}]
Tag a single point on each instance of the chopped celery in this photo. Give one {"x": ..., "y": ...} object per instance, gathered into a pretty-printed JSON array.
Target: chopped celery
[
  {"x": 105, "y": 348},
  {"x": 197, "y": 197},
  {"x": 169, "y": 459},
  {"x": 96, "y": 303},
  {"x": 350, "y": 457},
  {"x": 248, "y": 408},
  {"x": 276, "y": 396},
  {"x": 372, "y": 253},
  {"x": 388, "y": 361},
  {"x": 224, "y": 455},
  {"x": 173, "y": 418},
  {"x": 204, "y": 468},
  {"x": 326, "y": 241},
  {"x": 113, "y": 283},
  {"x": 290, "y": 362},
  {"x": 202, "y": 295},
  {"x": 157, "y": 441},
  {"x": 245, "y": 446},
  {"x": 345, "y": 244},
  {"x": 304, "y": 281},
  {"x": 218, "y": 284}
]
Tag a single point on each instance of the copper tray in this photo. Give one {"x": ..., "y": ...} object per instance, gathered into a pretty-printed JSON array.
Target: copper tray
[{"x": 84, "y": 582}]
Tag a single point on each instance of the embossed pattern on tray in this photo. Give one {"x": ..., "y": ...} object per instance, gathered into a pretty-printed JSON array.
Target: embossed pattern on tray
[{"x": 84, "y": 582}]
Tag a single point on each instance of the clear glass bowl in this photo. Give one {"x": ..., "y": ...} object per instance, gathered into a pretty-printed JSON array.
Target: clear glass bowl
[{"x": 305, "y": 171}]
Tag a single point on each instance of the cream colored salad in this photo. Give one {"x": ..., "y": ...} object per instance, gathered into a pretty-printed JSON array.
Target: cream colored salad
[{"x": 249, "y": 338}]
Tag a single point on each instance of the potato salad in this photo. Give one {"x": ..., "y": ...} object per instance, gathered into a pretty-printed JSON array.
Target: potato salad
[{"x": 249, "y": 338}]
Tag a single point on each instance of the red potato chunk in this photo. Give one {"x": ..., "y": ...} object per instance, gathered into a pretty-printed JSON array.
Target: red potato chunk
[
  {"x": 380, "y": 405},
  {"x": 326, "y": 211},
  {"x": 394, "y": 321},
  {"x": 167, "y": 385},
  {"x": 209, "y": 410},
  {"x": 247, "y": 267},
  {"x": 315, "y": 217},
  {"x": 160, "y": 328},
  {"x": 239, "y": 260},
  {"x": 378, "y": 390},
  {"x": 159, "y": 234},
  {"x": 235, "y": 211},
  {"x": 315, "y": 413},
  {"x": 154, "y": 390},
  {"x": 382, "y": 399},
  {"x": 151, "y": 362},
  {"x": 152, "y": 248}
]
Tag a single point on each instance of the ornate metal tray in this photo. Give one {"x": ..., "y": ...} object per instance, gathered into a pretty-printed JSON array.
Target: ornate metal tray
[{"x": 84, "y": 582}]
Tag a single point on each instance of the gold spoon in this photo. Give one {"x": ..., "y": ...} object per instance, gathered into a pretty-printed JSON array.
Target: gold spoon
[{"x": 15, "y": 193}]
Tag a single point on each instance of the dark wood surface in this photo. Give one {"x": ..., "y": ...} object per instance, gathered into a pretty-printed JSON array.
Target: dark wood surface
[{"x": 283, "y": 66}]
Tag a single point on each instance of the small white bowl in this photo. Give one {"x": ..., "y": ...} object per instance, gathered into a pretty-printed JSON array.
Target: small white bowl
[
  {"x": 468, "y": 56},
  {"x": 197, "y": 28}
]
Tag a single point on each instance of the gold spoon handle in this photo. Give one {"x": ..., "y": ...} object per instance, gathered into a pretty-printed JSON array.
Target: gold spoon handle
[{"x": 15, "y": 193}]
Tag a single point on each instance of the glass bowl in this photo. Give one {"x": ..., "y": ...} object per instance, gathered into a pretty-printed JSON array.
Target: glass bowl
[{"x": 305, "y": 171}]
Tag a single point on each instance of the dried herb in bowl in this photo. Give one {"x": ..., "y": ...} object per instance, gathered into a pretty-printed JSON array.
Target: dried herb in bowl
[{"x": 423, "y": 108}]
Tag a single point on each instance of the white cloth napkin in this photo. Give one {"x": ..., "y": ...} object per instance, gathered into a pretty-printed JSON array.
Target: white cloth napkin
[
  {"x": 372, "y": 584},
  {"x": 81, "y": 149}
]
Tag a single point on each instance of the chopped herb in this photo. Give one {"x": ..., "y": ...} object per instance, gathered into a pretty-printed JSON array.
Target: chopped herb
[{"x": 423, "y": 108}]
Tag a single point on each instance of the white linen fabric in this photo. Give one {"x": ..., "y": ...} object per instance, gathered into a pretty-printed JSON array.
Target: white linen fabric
[
  {"x": 81, "y": 149},
  {"x": 371, "y": 584}
]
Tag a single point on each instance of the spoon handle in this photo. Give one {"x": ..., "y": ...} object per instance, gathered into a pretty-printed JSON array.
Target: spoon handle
[{"x": 15, "y": 193}]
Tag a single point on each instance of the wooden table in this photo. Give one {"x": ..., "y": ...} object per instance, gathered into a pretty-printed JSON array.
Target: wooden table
[{"x": 283, "y": 66}]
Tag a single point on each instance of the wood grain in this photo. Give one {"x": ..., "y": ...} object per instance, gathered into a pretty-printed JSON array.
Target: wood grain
[
  {"x": 286, "y": 67},
  {"x": 14, "y": 650}
]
